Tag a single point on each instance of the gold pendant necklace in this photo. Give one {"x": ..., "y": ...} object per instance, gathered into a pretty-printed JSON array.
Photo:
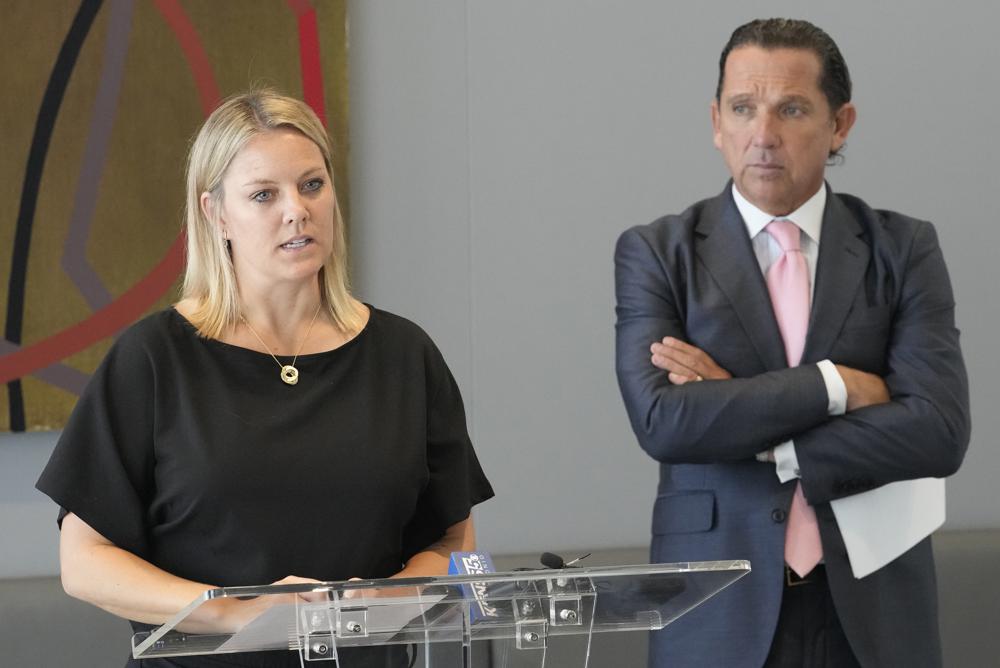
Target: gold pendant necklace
[{"x": 289, "y": 374}]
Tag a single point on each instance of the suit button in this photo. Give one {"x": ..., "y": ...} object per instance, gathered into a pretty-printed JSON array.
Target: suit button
[{"x": 778, "y": 515}]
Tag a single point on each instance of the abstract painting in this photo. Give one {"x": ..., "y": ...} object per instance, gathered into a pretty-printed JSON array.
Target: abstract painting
[{"x": 100, "y": 104}]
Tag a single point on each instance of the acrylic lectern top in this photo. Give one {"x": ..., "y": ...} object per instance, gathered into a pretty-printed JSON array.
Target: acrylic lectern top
[{"x": 524, "y": 605}]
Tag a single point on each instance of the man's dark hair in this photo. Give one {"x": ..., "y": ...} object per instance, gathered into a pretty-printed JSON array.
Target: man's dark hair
[{"x": 835, "y": 80}]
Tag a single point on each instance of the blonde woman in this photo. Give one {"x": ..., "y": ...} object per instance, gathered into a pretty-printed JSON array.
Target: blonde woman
[{"x": 269, "y": 427}]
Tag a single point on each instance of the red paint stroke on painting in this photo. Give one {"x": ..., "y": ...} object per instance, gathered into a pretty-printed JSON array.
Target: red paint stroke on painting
[
  {"x": 142, "y": 295},
  {"x": 101, "y": 324},
  {"x": 309, "y": 57},
  {"x": 197, "y": 59}
]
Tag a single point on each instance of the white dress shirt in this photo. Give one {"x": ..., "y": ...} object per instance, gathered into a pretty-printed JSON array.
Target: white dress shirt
[{"x": 809, "y": 219}]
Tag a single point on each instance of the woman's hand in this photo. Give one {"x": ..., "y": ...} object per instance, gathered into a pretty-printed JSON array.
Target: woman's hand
[
  {"x": 231, "y": 613},
  {"x": 432, "y": 560}
]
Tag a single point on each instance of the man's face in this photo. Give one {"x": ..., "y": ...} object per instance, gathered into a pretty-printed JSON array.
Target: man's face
[{"x": 774, "y": 126}]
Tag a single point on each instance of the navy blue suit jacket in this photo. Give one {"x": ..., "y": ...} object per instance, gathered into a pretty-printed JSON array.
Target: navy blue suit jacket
[{"x": 882, "y": 303}]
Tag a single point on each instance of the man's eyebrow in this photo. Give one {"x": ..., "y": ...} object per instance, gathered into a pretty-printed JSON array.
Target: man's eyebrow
[
  {"x": 737, "y": 98},
  {"x": 798, "y": 99}
]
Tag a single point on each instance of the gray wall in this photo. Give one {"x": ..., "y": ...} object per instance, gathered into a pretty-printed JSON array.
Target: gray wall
[{"x": 499, "y": 148}]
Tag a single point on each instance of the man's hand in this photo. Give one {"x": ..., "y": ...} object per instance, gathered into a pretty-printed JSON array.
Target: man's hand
[
  {"x": 863, "y": 389},
  {"x": 685, "y": 363}
]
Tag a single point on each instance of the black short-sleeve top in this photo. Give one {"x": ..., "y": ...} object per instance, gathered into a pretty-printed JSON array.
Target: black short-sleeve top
[{"x": 194, "y": 455}]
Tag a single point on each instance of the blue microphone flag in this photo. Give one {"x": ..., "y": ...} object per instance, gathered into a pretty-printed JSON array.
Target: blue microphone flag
[{"x": 474, "y": 563}]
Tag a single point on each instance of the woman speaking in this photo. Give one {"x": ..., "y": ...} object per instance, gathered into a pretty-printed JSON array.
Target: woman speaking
[{"x": 269, "y": 427}]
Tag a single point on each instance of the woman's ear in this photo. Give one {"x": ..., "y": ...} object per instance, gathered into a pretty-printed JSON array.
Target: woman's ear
[{"x": 210, "y": 209}]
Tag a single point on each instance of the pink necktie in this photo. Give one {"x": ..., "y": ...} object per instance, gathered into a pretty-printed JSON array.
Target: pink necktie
[{"x": 788, "y": 285}]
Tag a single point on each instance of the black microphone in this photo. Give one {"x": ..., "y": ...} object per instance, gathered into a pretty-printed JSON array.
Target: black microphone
[{"x": 553, "y": 561}]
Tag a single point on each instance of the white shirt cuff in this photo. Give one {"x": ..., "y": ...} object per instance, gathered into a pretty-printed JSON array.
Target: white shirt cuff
[
  {"x": 786, "y": 463},
  {"x": 836, "y": 390}
]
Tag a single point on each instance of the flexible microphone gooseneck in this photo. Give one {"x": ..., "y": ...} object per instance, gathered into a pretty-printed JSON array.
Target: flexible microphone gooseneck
[{"x": 555, "y": 562}]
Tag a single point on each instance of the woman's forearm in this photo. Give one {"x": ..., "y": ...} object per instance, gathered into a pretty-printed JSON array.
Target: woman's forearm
[
  {"x": 434, "y": 559},
  {"x": 97, "y": 571}
]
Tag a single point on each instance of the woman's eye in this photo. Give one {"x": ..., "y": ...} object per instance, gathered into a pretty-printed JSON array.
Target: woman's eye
[
  {"x": 262, "y": 196},
  {"x": 312, "y": 184}
]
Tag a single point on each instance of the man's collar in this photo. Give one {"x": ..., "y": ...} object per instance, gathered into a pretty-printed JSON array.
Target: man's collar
[{"x": 809, "y": 216}]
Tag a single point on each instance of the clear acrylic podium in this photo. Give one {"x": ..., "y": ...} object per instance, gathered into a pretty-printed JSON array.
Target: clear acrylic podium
[{"x": 520, "y": 619}]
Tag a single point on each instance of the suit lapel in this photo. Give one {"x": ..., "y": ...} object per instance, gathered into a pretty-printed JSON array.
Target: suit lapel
[
  {"x": 727, "y": 254},
  {"x": 843, "y": 258}
]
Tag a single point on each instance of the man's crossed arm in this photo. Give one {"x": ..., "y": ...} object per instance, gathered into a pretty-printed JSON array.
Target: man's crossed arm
[{"x": 685, "y": 363}]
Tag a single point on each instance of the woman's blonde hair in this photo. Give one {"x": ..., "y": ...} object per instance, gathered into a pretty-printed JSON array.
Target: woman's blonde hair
[{"x": 209, "y": 278}]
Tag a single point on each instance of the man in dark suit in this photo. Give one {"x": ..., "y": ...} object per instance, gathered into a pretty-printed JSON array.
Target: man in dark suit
[{"x": 780, "y": 346}]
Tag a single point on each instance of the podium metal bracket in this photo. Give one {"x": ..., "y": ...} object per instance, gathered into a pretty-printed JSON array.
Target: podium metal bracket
[
  {"x": 316, "y": 631},
  {"x": 564, "y": 602},
  {"x": 530, "y": 626},
  {"x": 531, "y": 634},
  {"x": 319, "y": 647},
  {"x": 352, "y": 622}
]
